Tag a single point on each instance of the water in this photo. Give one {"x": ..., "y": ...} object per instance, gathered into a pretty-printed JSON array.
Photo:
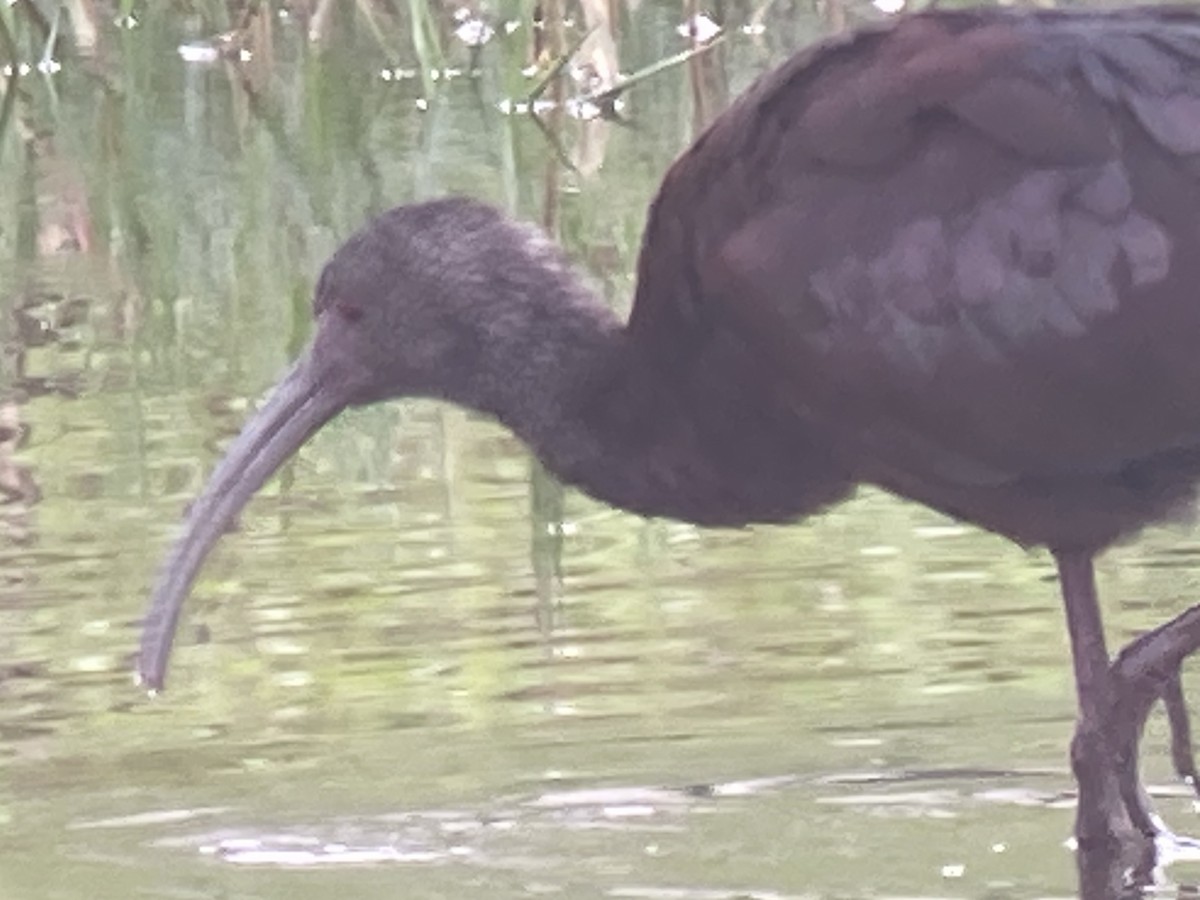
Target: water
[{"x": 402, "y": 675}]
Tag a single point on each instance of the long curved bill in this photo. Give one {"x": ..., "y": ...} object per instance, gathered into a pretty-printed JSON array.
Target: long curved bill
[{"x": 297, "y": 409}]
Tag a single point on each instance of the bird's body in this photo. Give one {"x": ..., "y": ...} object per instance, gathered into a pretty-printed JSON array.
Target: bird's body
[
  {"x": 986, "y": 309},
  {"x": 956, "y": 256}
]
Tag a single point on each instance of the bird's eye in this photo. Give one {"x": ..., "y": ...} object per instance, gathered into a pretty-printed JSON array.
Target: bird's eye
[{"x": 351, "y": 312}]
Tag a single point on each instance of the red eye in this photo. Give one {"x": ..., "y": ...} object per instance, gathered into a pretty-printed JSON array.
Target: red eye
[{"x": 351, "y": 312}]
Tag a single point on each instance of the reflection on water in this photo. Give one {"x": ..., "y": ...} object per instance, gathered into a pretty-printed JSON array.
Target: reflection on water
[{"x": 379, "y": 682}]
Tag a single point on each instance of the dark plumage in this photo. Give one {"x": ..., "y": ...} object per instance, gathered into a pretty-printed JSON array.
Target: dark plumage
[{"x": 955, "y": 256}]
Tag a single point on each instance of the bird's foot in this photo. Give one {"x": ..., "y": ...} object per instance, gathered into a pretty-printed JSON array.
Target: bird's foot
[{"x": 1114, "y": 870}]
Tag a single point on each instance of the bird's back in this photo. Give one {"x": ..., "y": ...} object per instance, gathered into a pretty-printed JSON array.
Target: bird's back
[{"x": 966, "y": 249}]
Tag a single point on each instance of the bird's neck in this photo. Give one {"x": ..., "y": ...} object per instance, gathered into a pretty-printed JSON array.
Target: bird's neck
[{"x": 636, "y": 427}]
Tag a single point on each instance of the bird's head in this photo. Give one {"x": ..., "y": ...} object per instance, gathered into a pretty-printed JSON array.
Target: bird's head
[
  {"x": 414, "y": 304},
  {"x": 409, "y": 304}
]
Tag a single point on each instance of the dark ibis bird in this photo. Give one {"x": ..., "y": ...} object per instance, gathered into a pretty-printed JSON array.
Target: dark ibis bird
[{"x": 956, "y": 256}]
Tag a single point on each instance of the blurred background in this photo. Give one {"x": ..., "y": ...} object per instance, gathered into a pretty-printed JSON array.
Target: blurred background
[{"x": 420, "y": 668}]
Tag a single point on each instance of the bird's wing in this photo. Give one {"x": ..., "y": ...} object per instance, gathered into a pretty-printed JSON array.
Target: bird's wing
[{"x": 979, "y": 234}]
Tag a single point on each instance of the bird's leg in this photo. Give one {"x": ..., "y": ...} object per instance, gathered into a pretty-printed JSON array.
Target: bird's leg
[
  {"x": 1102, "y": 817},
  {"x": 1181, "y": 732},
  {"x": 1148, "y": 669}
]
